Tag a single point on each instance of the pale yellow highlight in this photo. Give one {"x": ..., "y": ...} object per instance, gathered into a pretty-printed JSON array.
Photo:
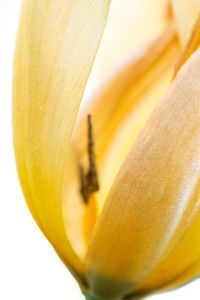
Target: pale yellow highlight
[
  {"x": 186, "y": 13},
  {"x": 126, "y": 30}
]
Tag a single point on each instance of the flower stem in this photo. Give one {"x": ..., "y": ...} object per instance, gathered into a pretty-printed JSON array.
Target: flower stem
[{"x": 93, "y": 297}]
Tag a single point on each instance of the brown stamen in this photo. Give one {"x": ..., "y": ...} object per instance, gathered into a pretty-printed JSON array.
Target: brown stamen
[{"x": 89, "y": 179}]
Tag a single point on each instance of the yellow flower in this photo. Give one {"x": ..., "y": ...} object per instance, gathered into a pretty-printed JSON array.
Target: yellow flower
[{"x": 143, "y": 183}]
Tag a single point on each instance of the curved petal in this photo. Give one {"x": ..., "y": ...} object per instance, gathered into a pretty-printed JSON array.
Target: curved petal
[
  {"x": 119, "y": 109},
  {"x": 127, "y": 31},
  {"x": 186, "y": 13},
  {"x": 184, "y": 261},
  {"x": 191, "y": 273},
  {"x": 191, "y": 47},
  {"x": 181, "y": 265},
  {"x": 155, "y": 196},
  {"x": 56, "y": 45}
]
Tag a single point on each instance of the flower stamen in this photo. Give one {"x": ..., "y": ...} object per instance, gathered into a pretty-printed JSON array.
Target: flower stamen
[{"x": 89, "y": 179}]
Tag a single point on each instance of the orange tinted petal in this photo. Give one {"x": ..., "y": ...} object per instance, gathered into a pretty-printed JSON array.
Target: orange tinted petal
[
  {"x": 155, "y": 196},
  {"x": 191, "y": 46}
]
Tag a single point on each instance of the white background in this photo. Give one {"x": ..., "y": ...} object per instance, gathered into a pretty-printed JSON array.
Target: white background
[{"x": 29, "y": 268}]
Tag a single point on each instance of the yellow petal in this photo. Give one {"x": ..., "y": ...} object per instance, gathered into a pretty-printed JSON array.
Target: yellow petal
[
  {"x": 190, "y": 273},
  {"x": 186, "y": 13},
  {"x": 155, "y": 196},
  {"x": 184, "y": 261},
  {"x": 56, "y": 45},
  {"x": 90, "y": 218},
  {"x": 181, "y": 265},
  {"x": 126, "y": 30},
  {"x": 191, "y": 46}
]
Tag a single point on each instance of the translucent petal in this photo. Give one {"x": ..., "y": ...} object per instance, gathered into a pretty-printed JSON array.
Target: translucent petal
[
  {"x": 126, "y": 30},
  {"x": 186, "y": 13},
  {"x": 56, "y": 45}
]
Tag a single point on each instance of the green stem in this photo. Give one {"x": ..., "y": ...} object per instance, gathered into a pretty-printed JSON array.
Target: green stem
[
  {"x": 89, "y": 297},
  {"x": 92, "y": 297}
]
